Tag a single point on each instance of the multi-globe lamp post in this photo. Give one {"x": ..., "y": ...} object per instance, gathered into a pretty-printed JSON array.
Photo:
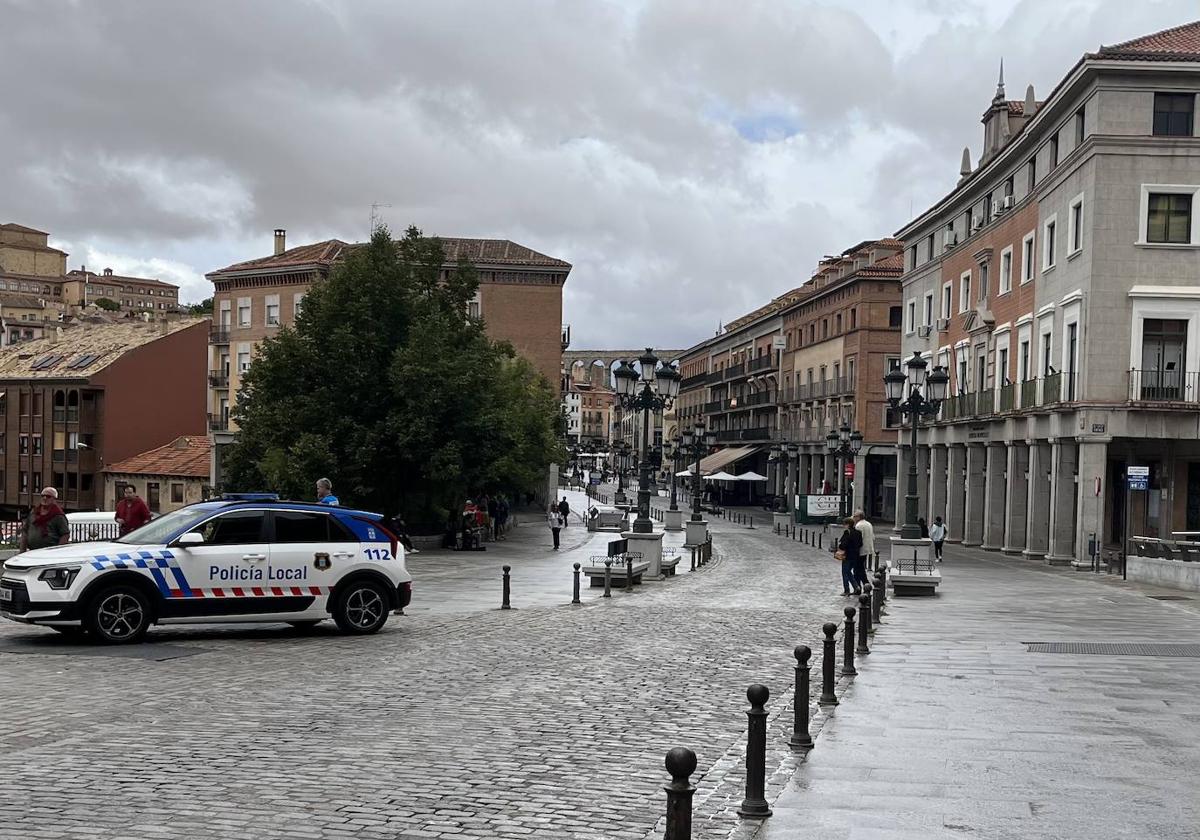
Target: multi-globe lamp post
[
  {"x": 844, "y": 444},
  {"x": 652, "y": 390},
  {"x": 673, "y": 453},
  {"x": 916, "y": 395},
  {"x": 696, "y": 441}
]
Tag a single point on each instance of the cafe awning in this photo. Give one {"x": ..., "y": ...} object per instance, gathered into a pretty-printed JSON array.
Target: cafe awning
[{"x": 726, "y": 458}]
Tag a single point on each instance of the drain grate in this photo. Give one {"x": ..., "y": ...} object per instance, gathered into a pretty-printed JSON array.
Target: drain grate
[
  {"x": 1116, "y": 648},
  {"x": 1170, "y": 598}
]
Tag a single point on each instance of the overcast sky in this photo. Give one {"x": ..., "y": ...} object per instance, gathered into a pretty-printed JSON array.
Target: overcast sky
[{"x": 690, "y": 159}]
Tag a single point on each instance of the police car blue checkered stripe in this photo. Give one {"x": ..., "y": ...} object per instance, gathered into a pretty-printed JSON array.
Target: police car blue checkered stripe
[{"x": 149, "y": 561}]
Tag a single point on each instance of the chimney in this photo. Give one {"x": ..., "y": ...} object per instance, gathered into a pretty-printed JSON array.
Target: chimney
[
  {"x": 1030, "y": 102},
  {"x": 280, "y": 241}
]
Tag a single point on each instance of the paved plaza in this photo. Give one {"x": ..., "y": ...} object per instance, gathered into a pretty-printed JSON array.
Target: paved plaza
[{"x": 546, "y": 721}]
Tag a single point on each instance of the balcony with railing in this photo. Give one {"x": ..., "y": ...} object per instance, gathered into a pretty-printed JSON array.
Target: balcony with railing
[
  {"x": 715, "y": 406},
  {"x": 1028, "y": 394},
  {"x": 218, "y": 335},
  {"x": 1164, "y": 386},
  {"x": 766, "y": 362},
  {"x": 218, "y": 423},
  {"x": 734, "y": 371},
  {"x": 689, "y": 382},
  {"x": 1007, "y": 396},
  {"x": 218, "y": 378},
  {"x": 730, "y": 435}
]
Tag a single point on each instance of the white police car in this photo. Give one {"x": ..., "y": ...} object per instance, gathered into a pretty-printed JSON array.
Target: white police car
[{"x": 243, "y": 558}]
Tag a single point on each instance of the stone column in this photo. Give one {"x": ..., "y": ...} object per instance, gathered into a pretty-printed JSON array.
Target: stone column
[
  {"x": 858, "y": 501},
  {"x": 789, "y": 485},
  {"x": 1017, "y": 498},
  {"x": 923, "y": 483},
  {"x": 938, "y": 456},
  {"x": 993, "y": 496},
  {"x": 1063, "y": 458},
  {"x": 1037, "y": 515},
  {"x": 805, "y": 473},
  {"x": 902, "y": 454},
  {"x": 974, "y": 512},
  {"x": 1093, "y": 464},
  {"x": 956, "y": 492}
]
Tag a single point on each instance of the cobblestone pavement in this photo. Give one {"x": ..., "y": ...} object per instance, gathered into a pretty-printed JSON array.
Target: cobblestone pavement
[
  {"x": 545, "y": 722},
  {"x": 954, "y": 728}
]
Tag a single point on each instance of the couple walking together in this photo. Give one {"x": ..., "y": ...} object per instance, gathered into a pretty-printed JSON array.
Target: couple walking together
[{"x": 856, "y": 544}]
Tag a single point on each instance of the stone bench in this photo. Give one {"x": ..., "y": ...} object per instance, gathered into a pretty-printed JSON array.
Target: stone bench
[
  {"x": 609, "y": 520},
  {"x": 595, "y": 570}
]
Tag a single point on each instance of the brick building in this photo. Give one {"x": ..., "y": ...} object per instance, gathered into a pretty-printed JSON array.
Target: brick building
[
  {"x": 519, "y": 299},
  {"x": 1063, "y": 277},
  {"x": 94, "y": 393}
]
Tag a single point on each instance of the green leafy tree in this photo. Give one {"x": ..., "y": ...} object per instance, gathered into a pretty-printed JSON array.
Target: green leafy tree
[
  {"x": 204, "y": 307},
  {"x": 388, "y": 388},
  {"x": 107, "y": 304}
]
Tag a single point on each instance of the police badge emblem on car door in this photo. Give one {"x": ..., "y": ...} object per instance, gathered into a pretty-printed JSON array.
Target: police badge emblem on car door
[{"x": 321, "y": 560}]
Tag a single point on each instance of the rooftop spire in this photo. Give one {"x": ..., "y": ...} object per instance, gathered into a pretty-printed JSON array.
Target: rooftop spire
[{"x": 1000, "y": 84}]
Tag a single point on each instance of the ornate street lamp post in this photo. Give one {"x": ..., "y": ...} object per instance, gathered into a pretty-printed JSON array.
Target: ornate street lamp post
[
  {"x": 843, "y": 445},
  {"x": 697, "y": 442},
  {"x": 655, "y": 389},
  {"x": 620, "y": 453},
  {"x": 917, "y": 396},
  {"x": 672, "y": 454}
]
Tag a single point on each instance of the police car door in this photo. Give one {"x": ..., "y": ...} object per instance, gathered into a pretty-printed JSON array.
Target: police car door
[
  {"x": 309, "y": 551},
  {"x": 226, "y": 573}
]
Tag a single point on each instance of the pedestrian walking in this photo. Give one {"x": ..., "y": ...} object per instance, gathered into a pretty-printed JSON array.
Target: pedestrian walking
[
  {"x": 132, "y": 512},
  {"x": 565, "y": 510},
  {"x": 501, "y": 518},
  {"x": 325, "y": 492},
  {"x": 397, "y": 527},
  {"x": 864, "y": 527},
  {"x": 938, "y": 534},
  {"x": 849, "y": 547},
  {"x": 493, "y": 512},
  {"x": 46, "y": 524},
  {"x": 555, "y": 520}
]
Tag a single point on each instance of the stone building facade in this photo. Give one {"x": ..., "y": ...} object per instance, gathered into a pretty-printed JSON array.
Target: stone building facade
[{"x": 1059, "y": 285}]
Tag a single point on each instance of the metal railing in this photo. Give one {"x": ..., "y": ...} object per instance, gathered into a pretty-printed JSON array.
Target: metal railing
[
  {"x": 1163, "y": 386},
  {"x": 1029, "y": 393},
  {"x": 218, "y": 378},
  {"x": 734, "y": 371},
  {"x": 1007, "y": 393},
  {"x": 761, "y": 363},
  {"x": 218, "y": 335},
  {"x": 218, "y": 423}
]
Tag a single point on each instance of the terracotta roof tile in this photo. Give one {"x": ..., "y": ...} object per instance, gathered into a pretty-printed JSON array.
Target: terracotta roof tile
[
  {"x": 1177, "y": 42},
  {"x": 93, "y": 277},
  {"x": 83, "y": 348},
  {"x": 19, "y": 301},
  {"x": 187, "y": 456},
  {"x": 13, "y": 226},
  {"x": 478, "y": 251}
]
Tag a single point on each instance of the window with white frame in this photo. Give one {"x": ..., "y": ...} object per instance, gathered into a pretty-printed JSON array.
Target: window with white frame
[
  {"x": 1046, "y": 346},
  {"x": 910, "y": 316},
  {"x": 927, "y": 320},
  {"x": 243, "y": 358},
  {"x": 475, "y": 306},
  {"x": 1075, "y": 226},
  {"x": 272, "y": 310},
  {"x": 1027, "y": 252},
  {"x": 964, "y": 291},
  {"x": 243, "y": 312},
  {"x": 1072, "y": 334},
  {"x": 1000, "y": 375},
  {"x": 226, "y": 314},
  {"x": 1167, "y": 215},
  {"x": 1049, "y": 242},
  {"x": 947, "y": 291},
  {"x": 1006, "y": 261},
  {"x": 297, "y": 303}
]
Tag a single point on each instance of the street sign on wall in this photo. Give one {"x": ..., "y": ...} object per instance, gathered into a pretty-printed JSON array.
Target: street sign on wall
[{"x": 849, "y": 470}]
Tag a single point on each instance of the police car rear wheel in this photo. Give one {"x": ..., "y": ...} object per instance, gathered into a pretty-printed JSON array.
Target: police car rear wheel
[
  {"x": 118, "y": 615},
  {"x": 362, "y": 608}
]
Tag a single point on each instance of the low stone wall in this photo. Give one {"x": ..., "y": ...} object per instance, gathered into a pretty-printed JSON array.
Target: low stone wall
[{"x": 1158, "y": 571}]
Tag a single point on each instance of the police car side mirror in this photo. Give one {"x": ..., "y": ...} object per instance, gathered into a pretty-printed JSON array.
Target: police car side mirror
[{"x": 190, "y": 538}]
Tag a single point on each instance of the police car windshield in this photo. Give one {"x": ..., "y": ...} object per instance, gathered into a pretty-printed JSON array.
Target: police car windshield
[{"x": 160, "y": 530}]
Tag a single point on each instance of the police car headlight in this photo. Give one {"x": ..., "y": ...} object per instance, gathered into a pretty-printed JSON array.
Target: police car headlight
[{"x": 60, "y": 577}]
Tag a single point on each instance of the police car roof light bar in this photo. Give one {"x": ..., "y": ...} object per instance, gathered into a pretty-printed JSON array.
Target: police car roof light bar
[{"x": 249, "y": 497}]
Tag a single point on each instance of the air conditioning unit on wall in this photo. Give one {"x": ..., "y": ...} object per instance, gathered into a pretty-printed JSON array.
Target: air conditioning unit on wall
[{"x": 943, "y": 324}]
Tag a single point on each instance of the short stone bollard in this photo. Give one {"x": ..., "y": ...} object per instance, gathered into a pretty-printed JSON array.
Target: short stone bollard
[
  {"x": 848, "y": 669},
  {"x": 608, "y": 577},
  {"x": 864, "y": 627},
  {"x": 876, "y": 598},
  {"x": 681, "y": 764},
  {"x": 869, "y": 617},
  {"x": 504, "y": 602},
  {"x": 575, "y": 590},
  {"x": 754, "y": 806},
  {"x": 828, "y": 664},
  {"x": 693, "y": 558},
  {"x": 801, "y": 738}
]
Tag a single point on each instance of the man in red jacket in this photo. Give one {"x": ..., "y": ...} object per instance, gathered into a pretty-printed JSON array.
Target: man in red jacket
[{"x": 132, "y": 512}]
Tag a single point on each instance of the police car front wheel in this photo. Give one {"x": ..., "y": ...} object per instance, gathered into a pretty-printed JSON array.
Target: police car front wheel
[
  {"x": 361, "y": 608},
  {"x": 118, "y": 615}
]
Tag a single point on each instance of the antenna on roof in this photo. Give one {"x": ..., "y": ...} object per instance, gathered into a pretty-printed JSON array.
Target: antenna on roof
[{"x": 375, "y": 216}]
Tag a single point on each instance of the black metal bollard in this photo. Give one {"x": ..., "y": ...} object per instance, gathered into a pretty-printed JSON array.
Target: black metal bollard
[
  {"x": 693, "y": 558},
  {"x": 828, "y": 663},
  {"x": 869, "y": 615},
  {"x": 876, "y": 599},
  {"x": 504, "y": 604},
  {"x": 575, "y": 590},
  {"x": 848, "y": 669},
  {"x": 681, "y": 763},
  {"x": 883, "y": 595},
  {"x": 801, "y": 738},
  {"x": 628, "y": 573},
  {"x": 864, "y": 627},
  {"x": 608, "y": 577},
  {"x": 751, "y": 521},
  {"x": 820, "y": 540},
  {"x": 755, "y": 805}
]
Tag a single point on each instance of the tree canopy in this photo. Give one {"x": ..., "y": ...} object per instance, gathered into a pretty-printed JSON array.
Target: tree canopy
[
  {"x": 107, "y": 303},
  {"x": 385, "y": 385}
]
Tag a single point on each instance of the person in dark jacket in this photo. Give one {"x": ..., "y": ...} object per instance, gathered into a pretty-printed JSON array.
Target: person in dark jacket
[
  {"x": 850, "y": 544},
  {"x": 565, "y": 510}
]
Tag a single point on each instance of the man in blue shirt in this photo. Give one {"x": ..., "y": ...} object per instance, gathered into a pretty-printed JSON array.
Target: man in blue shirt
[{"x": 325, "y": 492}]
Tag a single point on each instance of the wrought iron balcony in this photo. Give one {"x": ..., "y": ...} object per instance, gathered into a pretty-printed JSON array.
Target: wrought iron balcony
[
  {"x": 218, "y": 378},
  {"x": 218, "y": 335},
  {"x": 1164, "y": 386}
]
